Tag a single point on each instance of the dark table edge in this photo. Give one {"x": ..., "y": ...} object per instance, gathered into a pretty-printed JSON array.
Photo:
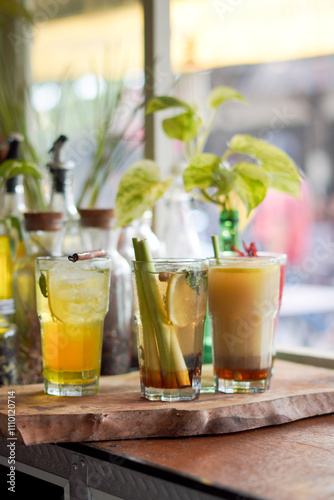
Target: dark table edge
[{"x": 160, "y": 472}]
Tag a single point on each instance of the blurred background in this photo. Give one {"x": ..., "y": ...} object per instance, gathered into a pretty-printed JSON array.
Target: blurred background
[{"x": 84, "y": 65}]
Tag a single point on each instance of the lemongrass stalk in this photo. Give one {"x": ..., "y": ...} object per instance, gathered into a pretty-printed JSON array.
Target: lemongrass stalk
[
  {"x": 156, "y": 307},
  {"x": 171, "y": 356},
  {"x": 152, "y": 362}
]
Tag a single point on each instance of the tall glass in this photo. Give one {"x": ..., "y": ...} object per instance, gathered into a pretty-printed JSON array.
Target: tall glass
[
  {"x": 243, "y": 305},
  {"x": 283, "y": 262},
  {"x": 170, "y": 299},
  {"x": 72, "y": 301},
  {"x": 283, "y": 259}
]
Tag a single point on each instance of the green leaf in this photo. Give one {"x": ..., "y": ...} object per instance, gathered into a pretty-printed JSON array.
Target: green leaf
[
  {"x": 206, "y": 160},
  {"x": 224, "y": 182},
  {"x": 139, "y": 189},
  {"x": 250, "y": 184},
  {"x": 12, "y": 168},
  {"x": 183, "y": 127},
  {"x": 199, "y": 174},
  {"x": 282, "y": 171},
  {"x": 221, "y": 94},
  {"x": 43, "y": 286},
  {"x": 13, "y": 228},
  {"x": 165, "y": 102},
  {"x": 285, "y": 184}
]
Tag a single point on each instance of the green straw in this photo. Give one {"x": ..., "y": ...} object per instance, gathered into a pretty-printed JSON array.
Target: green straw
[{"x": 216, "y": 249}]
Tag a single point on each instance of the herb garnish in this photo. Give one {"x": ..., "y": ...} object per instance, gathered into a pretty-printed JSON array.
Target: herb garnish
[
  {"x": 195, "y": 278},
  {"x": 250, "y": 251},
  {"x": 43, "y": 286}
]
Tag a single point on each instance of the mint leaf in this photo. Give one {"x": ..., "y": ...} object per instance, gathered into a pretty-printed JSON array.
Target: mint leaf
[
  {"x": 195, "y": 278},
  {"x": 43, "y": 285},
  {"x": 140, "y": 187},
  {"x": 221, "y": 94}
]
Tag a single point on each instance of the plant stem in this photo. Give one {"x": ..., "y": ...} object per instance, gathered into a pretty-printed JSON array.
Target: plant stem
[
  {"x": 211, "y": 198},
  {"x": 186, "y": 152},
  {"x": 202, "y": 140}
]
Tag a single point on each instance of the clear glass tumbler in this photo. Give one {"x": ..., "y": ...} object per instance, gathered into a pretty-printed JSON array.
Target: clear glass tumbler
[
  {"x": 243, "y": 305},
  {"x": 72, "y": 301},
  {"x": 170, "y": 299}
]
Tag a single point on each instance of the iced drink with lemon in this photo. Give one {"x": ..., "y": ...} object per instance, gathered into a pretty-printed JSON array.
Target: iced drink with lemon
[
  {"x": 243, "y": 304},
  {"x": 170, "y": 307},
  {"x": 72, "y": 301}
]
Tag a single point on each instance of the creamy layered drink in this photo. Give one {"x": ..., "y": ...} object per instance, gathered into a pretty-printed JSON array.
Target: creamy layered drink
[{"x": 243, "y": 304}]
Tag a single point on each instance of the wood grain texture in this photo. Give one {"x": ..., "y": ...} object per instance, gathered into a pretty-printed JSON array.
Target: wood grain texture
[
  {"x": 294, "y": 461},
  {"x": 119, "y": 412}
]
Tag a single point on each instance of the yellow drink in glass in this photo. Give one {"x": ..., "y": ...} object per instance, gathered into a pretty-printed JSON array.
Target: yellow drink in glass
[
  {"x": 243, "y": 304},
  {"x": 72, "y": 301},
  {"x": 6, "y": 269}
]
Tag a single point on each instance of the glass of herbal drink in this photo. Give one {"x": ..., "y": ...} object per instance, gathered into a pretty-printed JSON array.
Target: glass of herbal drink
[
  {"x": 72, "y": 301},
  {"x": 243, "y": 304},
  {"x": 170, "y": 299}
]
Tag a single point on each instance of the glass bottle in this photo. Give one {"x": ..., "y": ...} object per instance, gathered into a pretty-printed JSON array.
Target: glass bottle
[
  {"x": 62, "y": 197},
  {"x": 43, "y": 232},
  {"x": 8, "y": 333},
  {"x": 179, "y": 233},
  {"x": 99, "y": 232},
  {"x": 6, "y": 264},
  {"x": 11, "y": 215},
  {"x": 140, "y": 228},
  {"x": 229, "y": 234}
]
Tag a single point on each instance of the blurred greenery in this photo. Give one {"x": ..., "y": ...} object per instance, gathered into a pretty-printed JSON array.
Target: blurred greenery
[
  {"x": 16, "y": 111},
  {"x": 109, "y": 120}
]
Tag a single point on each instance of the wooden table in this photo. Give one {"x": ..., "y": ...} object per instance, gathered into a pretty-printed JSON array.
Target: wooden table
[
  {"x": 290, "y": 461},
  {"x": 285, "y": 462}
]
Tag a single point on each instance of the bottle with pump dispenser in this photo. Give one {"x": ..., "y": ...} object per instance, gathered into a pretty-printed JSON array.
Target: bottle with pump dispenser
[{"x": 62, "y": 197}]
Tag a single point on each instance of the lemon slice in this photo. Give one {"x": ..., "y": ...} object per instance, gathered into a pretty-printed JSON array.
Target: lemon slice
[
  {"x": 81, "y": 299},
  {"x": 51, "y": 302},
  {"x": 184, "y": 304}
]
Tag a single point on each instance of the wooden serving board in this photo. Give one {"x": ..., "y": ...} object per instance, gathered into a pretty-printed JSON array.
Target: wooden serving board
[{"x": 118, "y": 411}]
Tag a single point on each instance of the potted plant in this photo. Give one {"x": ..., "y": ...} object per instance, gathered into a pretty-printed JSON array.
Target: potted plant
[{"x": 242, "y": 176}]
